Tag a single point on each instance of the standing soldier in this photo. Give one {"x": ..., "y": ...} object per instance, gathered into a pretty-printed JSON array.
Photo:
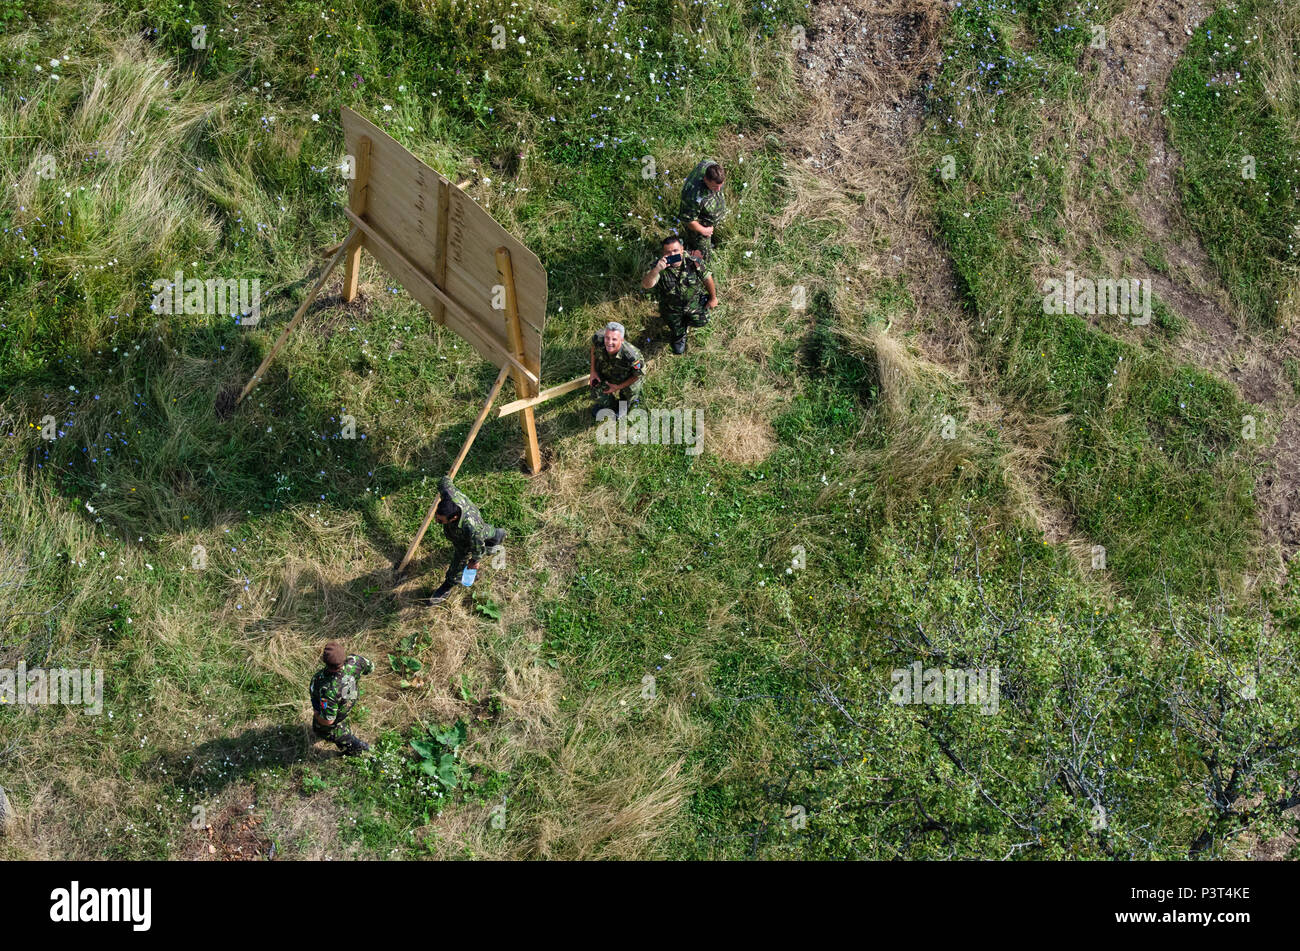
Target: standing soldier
[
  {"x": 617, "y": 371},
  {"x": 703, "y": 206},
  {"x": 471, "y": 537},
  {"x": 333, "y": 692},
  {"x": 685, "y": 289}
]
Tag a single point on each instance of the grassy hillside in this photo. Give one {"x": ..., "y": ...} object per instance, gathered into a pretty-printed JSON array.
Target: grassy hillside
[{"x": 684, "y": 655}]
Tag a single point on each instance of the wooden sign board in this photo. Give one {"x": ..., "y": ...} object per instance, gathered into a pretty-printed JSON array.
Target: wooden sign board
[
  {"x": 442, "y": 247},
  {"x": 449, "y": 254}
]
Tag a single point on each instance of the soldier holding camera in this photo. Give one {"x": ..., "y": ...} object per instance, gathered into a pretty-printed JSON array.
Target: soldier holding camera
[{"x": 685, "y": 289}]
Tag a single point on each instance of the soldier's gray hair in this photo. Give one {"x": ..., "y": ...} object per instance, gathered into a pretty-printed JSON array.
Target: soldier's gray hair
[{"x": 616, "y": 326}]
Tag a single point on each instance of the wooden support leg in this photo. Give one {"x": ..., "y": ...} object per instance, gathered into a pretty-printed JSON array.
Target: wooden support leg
[
  {"x": 455, "y": 466},
  {"x": 478, "y": 423},
  {"x": 354, "y": 238},
  {"x": 523, "y": 388},
  {"x": 357, "y": 203}
]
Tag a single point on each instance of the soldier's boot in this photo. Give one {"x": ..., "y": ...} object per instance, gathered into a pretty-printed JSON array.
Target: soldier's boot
[
  {"x": 349, "y": 744},
  {"x": 342, "y": 738},
  {"x": 441, "y": 595},
  {"x": 497, "y": 541},
  {"x": 679, "y": 343}
]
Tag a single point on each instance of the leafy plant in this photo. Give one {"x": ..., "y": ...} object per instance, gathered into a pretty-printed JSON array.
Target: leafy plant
[
  {"x": 468, "y": 687},
  {"x": 437, "y": 756},
  {"x": 488, "y": 608},
  {"x": 406, "y": 664}
]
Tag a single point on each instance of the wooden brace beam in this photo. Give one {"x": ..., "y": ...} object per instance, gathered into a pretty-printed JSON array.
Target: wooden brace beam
[
  {"x": 455, "y": 467},
  {"x": 576, "y": 383},
  {"x": 353, "y": 238}
]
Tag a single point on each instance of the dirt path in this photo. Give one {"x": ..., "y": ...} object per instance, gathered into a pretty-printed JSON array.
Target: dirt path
[{"x": 864, "y": 73}]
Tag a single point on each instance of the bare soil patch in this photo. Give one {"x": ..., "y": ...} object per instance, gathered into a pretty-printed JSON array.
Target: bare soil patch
[
  {"x": 235, "y": 834},
  {"x": 865, "y": 69}
]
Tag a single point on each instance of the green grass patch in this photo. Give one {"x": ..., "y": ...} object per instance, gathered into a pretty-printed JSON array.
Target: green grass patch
[{"x": 1234, "y": 117}]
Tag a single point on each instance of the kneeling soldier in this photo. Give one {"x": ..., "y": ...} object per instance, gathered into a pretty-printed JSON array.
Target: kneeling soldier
[
  {"x": 333, "y": 692},
  {"x": 685, "y": 289},
  {"x": 617, "y": 370},
  {"x": 471, "y": 537}
]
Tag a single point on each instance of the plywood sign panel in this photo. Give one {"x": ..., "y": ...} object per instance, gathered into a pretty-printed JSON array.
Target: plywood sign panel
[{"x": 402, "y": 209}]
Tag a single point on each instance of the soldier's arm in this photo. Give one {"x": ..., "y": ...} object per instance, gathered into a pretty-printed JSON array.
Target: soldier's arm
[
  {"x": 690, "y": 214},
  {"x": 712, "y": 289},
  {"x": 328, "y": 709},
  {"x": 651, "y": 277},
  {"x": 638, "y": 368},
  {"x": 444, "y": 486},
  {"x": 477, "y": 547},
  {"x": 364, "y": 665}
]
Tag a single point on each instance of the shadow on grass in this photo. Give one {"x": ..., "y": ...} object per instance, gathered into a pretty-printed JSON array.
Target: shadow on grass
[
  {"x": 143, "y": 453},
  {"x": 225, "y": 761}
]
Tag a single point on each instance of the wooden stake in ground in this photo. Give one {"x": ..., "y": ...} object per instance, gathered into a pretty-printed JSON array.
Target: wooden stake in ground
[
  {"x": 515, "y": 334},
  {"x": 455, "y": 466},
  {"x": 354, "y": 238}
]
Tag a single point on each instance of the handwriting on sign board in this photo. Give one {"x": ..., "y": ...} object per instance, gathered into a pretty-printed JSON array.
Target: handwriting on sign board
[
  {"x": 456, "y": 238},
  {"x": 419, "y": 202}
]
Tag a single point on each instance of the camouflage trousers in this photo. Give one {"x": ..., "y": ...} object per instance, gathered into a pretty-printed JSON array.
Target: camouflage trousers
[
  {"x": 680, "y": 321},
  {"x": 630, "y": 394},
  {"x": 340, "y": 736},
  {"x": 460, "y": 558}
]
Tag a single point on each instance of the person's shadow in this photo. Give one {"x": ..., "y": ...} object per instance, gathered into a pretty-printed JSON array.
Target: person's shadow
[{"x": 229, "y": 760}]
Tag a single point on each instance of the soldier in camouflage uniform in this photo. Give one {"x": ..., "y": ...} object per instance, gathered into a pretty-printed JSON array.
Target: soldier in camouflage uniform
[
  {"x": 703, "y": 207},
  {"x": 685, "y": 290},
  {"x": 470, "y": 536},
  {"x": 617, "y": 371},
  {"x": 333, "y": 692}
]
